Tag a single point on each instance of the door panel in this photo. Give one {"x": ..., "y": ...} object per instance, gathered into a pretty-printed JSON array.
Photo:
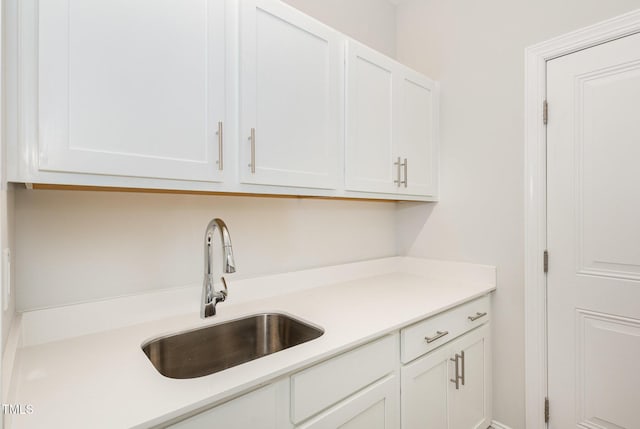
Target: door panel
[
  {"x": 417, "y": 133},
  {"x": 131, "y": 88},
  {"x": 265, "y": 408},
  {"x": 593, "y": 234},
  {"x": 371, "y": 418},
  {"x": 608, "y": 138},
  {"x": 607, "y": 405},
  {"x": 469, "y": 403},
  {"x": 375, "y": 407},
  {"x": 290, "y": 94},
  {"x": 425, "y": 391},
  {"x": 370, "y": 121}
]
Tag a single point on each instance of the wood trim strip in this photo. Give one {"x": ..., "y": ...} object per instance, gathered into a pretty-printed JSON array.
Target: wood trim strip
[{"x": 56, "y": 187}]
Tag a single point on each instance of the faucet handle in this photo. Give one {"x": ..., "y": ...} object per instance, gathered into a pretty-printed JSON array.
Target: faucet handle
[{"x": 225, "y": 292}]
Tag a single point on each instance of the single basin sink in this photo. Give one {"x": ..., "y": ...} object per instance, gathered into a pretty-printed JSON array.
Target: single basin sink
[{"x": 203, "y": 351}]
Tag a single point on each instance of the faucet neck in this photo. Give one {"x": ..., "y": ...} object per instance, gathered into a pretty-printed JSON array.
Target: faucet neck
[{"x": 210, "y": 297}]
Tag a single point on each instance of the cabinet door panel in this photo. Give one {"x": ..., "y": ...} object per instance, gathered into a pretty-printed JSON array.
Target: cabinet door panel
[
  {"x": 417, "y": 133},
  {"x": 371, "y": 418},
  {"x": 369, "y": 146},
  {"x": 131, "y": 88},
  {"x": 376, "y": 407},
  {"x": 323, "y": 385},
  {"x": 470, "y": 405},
  {"x": 265, "y": 408},
  {"x": 290, "y": 82},
  {"x": 425, "y": 387}
]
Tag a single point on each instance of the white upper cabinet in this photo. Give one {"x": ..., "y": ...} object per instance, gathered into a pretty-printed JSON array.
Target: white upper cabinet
[
  {"x": 291, "y": 73},
  {"x": 132, "y": 88},
  {"x": 391, "y": 126},
  {"x": 370, "y": 139},
  {"x": 240, "y": 96},
  {"x": 417, "y": 121}
]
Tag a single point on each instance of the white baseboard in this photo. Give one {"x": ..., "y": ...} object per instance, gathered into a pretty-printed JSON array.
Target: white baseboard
[{"x": 498, "y": 425}]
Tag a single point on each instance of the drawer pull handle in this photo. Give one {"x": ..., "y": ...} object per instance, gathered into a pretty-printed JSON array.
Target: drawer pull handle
[
  {"x": 477, "y": 316},
  {"x": 439, "y": 334}
]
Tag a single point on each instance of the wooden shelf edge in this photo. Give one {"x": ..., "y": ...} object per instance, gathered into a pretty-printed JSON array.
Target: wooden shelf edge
[{"x": 55, "y": 187}]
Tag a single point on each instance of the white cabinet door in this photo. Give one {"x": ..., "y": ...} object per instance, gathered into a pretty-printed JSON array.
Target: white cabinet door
[
  {"x": 418, "y": 133},
  {"x": 376, "y": 407},
  {"x": 265, "y": 408},
  {"x": 470, "y": 403},
  {"x": 132, "y": 88},
  {"x": 425, "y": 391},
  {"x": 431, "y": 398},
  {"x": 371, "y": 112},
  {"x": 391, "y": 126},
  {"x": 291, "y": 75}
]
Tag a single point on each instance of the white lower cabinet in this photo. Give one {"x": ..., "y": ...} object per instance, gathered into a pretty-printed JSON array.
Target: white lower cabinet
[
  {"x": 450, "y": 387},
  {"x": 358, "y": 389},
  {"x": 434, "y": 374},
  {"x": 265, "y": 408},
  {"x": 376, "y": 407}
]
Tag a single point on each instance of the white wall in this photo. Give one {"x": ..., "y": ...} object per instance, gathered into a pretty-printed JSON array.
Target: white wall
[
  {"x": 79, "y": 246},
  {"x": 476, "y": 50},
  {"x": 371, "y": 22}
]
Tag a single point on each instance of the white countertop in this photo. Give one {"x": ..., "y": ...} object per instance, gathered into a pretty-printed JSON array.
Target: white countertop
[{"x": 104, "y": 380}]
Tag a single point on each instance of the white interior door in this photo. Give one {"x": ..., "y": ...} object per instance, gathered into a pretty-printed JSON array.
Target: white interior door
[{"x": 593, "y": 146}]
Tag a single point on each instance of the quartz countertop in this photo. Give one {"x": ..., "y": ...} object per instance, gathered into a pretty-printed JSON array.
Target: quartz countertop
[{"x": 103, "y": 379}]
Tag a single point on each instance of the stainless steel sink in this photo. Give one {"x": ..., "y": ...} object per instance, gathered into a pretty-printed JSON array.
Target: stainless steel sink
[{"x": 214, "y": 348}]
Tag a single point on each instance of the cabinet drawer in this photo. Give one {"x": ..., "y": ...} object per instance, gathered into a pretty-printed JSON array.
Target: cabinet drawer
[
  {"x": 425, "y": 336},
  {"x": 327, "y": 383}
]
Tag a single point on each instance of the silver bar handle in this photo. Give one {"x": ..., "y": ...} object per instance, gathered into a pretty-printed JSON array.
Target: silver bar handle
[
  {"x": 438, "y": 335},
  {"x": 398, "y": 172},
  {"x": 406, "y": 168},
  {"x": 462, "y": 373},
  {"x": 252, "y": 139},
  {"x": 456, "y": 378},
  {"x": 477, "y": 316},
  {"x": 220, "y": 147}
]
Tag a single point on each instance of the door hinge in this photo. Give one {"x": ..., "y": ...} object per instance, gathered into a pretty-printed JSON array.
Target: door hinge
[
  {"x": 545, "y": 112},
  {"x": 546, "y": 410},
  {"x": 545, "y": 261}
]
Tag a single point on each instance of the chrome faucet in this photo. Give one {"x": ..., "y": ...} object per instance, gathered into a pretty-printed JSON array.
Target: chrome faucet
[{"x": 211, "y": 297}]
